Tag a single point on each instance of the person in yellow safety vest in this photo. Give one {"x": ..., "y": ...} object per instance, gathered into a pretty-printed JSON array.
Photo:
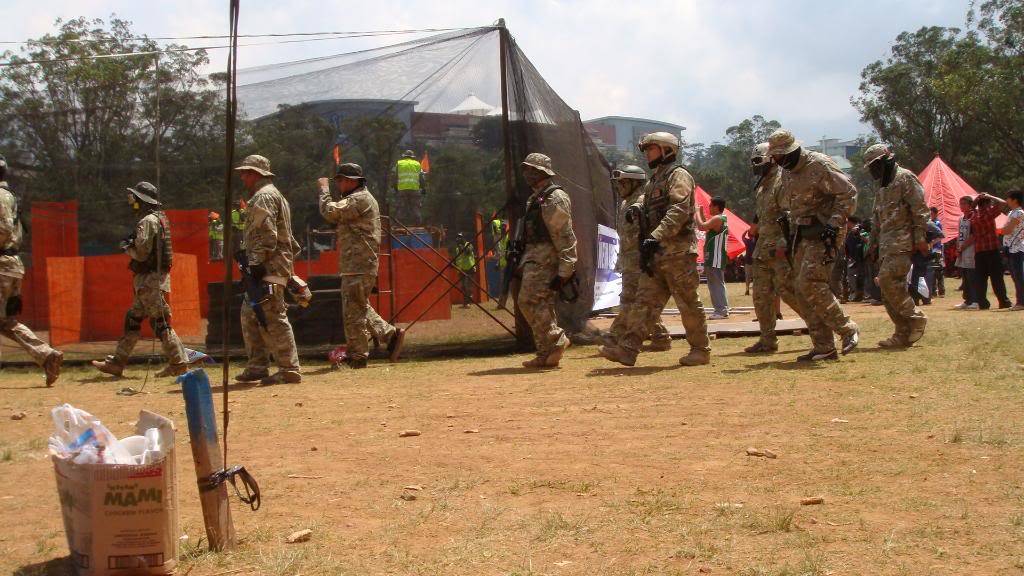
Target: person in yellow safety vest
[
  {"x": 500, "y": 240},
  {"x": 238, "y": 225},
  {"x": 409, "y": 183},
  {"x": 216, "y": 237},
  {"x": 465, "y": 262}
]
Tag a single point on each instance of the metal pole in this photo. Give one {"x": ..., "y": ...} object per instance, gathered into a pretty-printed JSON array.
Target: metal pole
[{"x": 156, "y": 124}]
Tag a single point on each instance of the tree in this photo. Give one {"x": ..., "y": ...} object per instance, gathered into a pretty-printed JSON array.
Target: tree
[{"x": 76, "y": 126}]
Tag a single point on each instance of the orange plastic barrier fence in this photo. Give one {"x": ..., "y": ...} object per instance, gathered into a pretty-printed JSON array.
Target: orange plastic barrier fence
[{"x": 64, "y": 289}]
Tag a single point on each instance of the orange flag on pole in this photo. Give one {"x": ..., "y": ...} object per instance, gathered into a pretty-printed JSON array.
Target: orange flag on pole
[
  {"x": 337, "y": 155},
  {"x": 425, "y": 163}
]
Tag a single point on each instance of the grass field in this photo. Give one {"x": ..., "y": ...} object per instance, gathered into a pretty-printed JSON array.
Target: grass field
[{"x": 595, "y": 468}]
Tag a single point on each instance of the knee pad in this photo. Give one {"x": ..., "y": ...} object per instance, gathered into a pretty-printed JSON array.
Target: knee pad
[
  {"x": 131, "y": 323},
  {"x": 160, "y": 325}
]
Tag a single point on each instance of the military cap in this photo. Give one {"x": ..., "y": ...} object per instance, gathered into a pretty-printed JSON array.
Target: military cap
[
  {"x": 874, "y": 152},
  {"x": 781, "y": 142},
  {"x": 146, "y": 193},
  {"x": 256, "y": 163},
  {"x": 540, "y": 162}
]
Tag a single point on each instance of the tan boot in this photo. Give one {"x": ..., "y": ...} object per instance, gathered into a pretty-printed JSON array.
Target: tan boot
[
  {"x": 617, "y": 354},
  {"x": 917, "y": 330},
  {"x": 696, "y": 358},
  {"x": 174, "y": 370},
  {"x": 660, "y": 345},
  {"x": 282, "y": 377},
  {"x": 250, "y": 375},
  {"x": 52, "y": 366},
  {"x": 535, "y": 362},
  {"x": 894, "y": 342},
  {"x": 109, "y": 366},
  {"x": 556, "y": 355},
  {"x": 760, "y": 347}
]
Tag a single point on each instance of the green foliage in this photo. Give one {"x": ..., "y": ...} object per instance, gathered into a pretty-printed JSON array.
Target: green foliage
[
  {"x": 463, "y": 180},
  {"x": 84, "y": 128},
  {"x": 957, "y": 94}
]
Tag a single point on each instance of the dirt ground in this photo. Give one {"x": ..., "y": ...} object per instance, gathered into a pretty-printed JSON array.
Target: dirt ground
[{"x": 593, "y": 468}]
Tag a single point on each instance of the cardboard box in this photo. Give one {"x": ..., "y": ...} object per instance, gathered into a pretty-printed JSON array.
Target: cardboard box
[{"x": 122, "y": 519}]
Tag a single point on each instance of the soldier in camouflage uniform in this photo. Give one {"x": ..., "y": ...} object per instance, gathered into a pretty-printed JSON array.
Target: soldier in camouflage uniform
[
  {"x": 670, "y": 248},
  {"x": 629, "y": 182},
  {"x": 900, "y": 218},
  {"x": 149, "y": 248},
  {"x": 548, "y": 261},
  {"x": 821, "y": 197},
  {"x": 270, "y": 250},
  {"x": 357, "y": 217},
  {"x": 773, "y": 273},
  {"x": 11, "y": 272}
]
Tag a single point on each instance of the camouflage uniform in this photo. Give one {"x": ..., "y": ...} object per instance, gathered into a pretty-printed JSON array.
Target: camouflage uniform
[
  {"x": 628, "y": 264},
  {"x": 151, "y": 287},
  {"x": 819, "y": 193},
  {"x": 773, "y": 277},
  {"x": 267, "y": 240},
  {"x": 899, "y": 219},
  {"x": 357, "y": 217},
  {"x": 668, "y": 206},
  {"x": 550, "y": 251},
  {"x": 11, "y": 272}
]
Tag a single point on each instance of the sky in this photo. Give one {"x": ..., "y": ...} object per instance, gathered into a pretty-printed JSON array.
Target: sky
[{"x": 704, "y": 64}]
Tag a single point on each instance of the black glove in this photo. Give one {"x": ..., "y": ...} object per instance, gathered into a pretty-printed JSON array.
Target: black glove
[
  {"x": 829, "y": 234},
  {"x": 649, "y": 247},
  {"x": 258, "y": 271},
  {"x": 633, "y": 214}
]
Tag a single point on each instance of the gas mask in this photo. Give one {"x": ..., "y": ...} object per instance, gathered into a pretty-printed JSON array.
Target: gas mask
[
  {"x": 883, "y": 169},
  {"x": 789, "y": 161}
]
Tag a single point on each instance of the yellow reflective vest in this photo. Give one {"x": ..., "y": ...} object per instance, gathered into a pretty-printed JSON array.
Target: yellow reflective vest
[{"x": 408, "y": 171}]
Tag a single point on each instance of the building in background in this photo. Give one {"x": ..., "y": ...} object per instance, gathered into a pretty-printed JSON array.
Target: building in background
[
  {"x": 623, "y": 132},
  {"x": 840, "y": 150}
]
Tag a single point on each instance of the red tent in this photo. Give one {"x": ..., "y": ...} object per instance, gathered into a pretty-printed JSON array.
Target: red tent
[
  {"x": 943, "y": 189},
  {"x": 734, "y": 245}
]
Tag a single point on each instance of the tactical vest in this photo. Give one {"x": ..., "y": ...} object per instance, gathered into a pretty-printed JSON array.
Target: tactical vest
[
  {"x": 19, "y": 226},
  {"x": 535, "y": 231},
  {"x": 657, "y": 201},
  {"x": 161, "y": 254}
]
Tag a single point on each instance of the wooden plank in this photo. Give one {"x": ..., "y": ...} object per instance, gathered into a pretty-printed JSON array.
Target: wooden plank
[
  {"x": 726, "y": 329},
  {"x": 202, "y": 431}
]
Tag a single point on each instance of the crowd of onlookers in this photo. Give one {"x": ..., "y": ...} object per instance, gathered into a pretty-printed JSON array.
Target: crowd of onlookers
[{"x": 980, "y": 255}]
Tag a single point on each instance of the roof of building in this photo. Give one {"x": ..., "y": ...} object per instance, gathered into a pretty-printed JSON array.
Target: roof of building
[
  {"x": 472, "y": 105},
  {"x": 632, "y": 119}
]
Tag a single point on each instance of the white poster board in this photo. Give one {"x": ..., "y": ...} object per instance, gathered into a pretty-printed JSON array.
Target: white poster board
[{"x": 607, "y": 282}]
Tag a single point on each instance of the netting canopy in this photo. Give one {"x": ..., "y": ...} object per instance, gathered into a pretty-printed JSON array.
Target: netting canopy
[{"x": 445, "y": 98}]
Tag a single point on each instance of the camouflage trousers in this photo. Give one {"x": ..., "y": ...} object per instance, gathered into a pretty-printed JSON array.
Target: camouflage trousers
[
  {"x": 773, "y": 278},
  {"x": 149, "y": 302},
  {"x": 360, "y": 319},
  {"x": 892, "y": 279},
  {"x": 536, "y": 300},
  {"x": 627, "y": 300},
  {"x": 674, "y": 275},
  {"x": 818, "y": 305},
  {"x": 409, "y": 207},
  {"x": 16, "y": 331},
  {"x": 276, "y": 340}
]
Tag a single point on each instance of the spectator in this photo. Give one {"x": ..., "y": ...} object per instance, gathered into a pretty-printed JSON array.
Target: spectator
[
  {"x": 749, "y": 243},
  {"x": 465, "y": 263},
  {"x": 920, "y": 263},
  {"x": 965, "y": 255},
  {"x": 1013, "y": 239},
  {"x": 988, "y": 262},
  {"x": 216, "y": 234},
  {"x": 937, "y": 265},
  {"x": 716, "y": 258}
]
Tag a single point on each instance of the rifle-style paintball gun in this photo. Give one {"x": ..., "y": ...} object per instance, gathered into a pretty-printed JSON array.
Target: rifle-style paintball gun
[
  {"x": 787, "y": 233},
  {"x": 256, "y": 291}
]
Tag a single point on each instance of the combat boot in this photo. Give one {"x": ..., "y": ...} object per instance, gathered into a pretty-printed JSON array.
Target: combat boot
[
  {"x": 894, "y": 342},
  {"x": 617, "y": 354},
  {"x": 851, "y": 340},
  {"x": 173, "y": 370},
  {"x": 814, "y": 356},
  {"x": 917, "y": 330},
  {"x": 395, "y": 344},
  {"x": 696, "y": 358},
  {"x": 250, "y": 375},
  {"x": 609, "y": 339},
  {"x": 760, "y": 347},
  {"x": 52, "y": 366},
  {"x": 660, "y": 345},
  {"x": 535, "y": 362},
  {"x": 109, "y": 365},
  {"x": 282, "y": 377}
]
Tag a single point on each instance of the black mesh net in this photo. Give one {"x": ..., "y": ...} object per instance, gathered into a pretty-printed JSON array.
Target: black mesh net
[{"x": 441, "y": 97}]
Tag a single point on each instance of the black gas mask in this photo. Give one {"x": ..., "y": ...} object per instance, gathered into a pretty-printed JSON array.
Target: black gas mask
[
  {"x": 790, "y": 160},
  {"x": 883, "y": 169},
  {"x": 760, "y": 165}
]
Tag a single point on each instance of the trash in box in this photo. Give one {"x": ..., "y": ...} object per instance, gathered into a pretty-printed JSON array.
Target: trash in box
[{"x": 118, "y": 497}]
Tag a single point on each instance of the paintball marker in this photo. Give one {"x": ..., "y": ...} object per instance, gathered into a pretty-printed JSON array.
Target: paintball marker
[
  {"x": 636, "y": 213},
  {"x": 787, "y": 233},
  {"x": 568, "y": 289},
  {"x": 256, "y": 291}
]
